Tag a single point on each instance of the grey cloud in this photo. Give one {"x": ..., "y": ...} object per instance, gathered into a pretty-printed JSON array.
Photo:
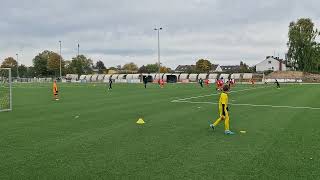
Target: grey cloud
[{"x": 116, "y": 32}]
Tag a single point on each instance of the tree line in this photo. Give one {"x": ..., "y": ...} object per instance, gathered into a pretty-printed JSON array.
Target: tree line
[{"x": 47, "y": 64}]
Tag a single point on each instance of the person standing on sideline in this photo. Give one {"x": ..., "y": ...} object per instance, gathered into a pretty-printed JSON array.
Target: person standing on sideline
[
  {"x": 145, "y": 82},
  {"x": 55, "y": 90},
  {"x": 110, "y": 84}
]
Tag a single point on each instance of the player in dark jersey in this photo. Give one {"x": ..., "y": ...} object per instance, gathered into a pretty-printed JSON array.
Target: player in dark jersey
[
  {"x": 278, "y": 85},
  {"x": 145, "y": 82},
  {"x": 110, "y": 84},
  {"x": 201, "y": 82}
]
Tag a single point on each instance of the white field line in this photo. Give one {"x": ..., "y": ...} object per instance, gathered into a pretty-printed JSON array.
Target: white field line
[
  {"x": 195, "y": 97},
  {"x": 252, "y": 105}
]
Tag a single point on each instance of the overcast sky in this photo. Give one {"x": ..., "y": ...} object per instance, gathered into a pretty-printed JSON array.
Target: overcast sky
[{"x": 121, "y": 31}]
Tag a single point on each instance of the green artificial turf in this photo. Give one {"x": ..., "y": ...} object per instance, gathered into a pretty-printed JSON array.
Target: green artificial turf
[{"x": 91, "y": 133}]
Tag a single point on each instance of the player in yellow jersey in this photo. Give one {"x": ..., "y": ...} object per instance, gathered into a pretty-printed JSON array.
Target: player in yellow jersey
[
  {"x": 55, "y": 90},
  {"x": 223, "y": 111}
]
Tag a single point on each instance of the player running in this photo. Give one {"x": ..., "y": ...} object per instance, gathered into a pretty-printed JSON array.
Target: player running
[
  {"x": 55, "y": 90},
  {"x": 278, "y": 85},
  {"x": 206, "y": 82},
  {"x": 223, "y": 111},
  {"x": 201, "y": 82},
  {"x": 220, "y": 84}
]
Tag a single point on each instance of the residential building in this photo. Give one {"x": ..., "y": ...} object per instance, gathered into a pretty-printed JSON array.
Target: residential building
[{"x": 271, "y": 64}]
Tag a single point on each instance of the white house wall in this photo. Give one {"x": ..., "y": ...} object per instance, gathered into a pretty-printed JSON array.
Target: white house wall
[{"x": 274, "y": 65}]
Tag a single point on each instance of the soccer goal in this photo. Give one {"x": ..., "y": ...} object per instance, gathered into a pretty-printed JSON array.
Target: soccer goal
[{"x": 5, "y": 89}]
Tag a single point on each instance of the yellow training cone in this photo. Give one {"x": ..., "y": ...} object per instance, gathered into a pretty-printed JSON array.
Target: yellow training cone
[{"x": 140, "y": 121}]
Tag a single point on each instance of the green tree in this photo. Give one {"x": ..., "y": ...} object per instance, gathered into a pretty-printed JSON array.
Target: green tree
[
  {"x": 302, "y": 52},
  {"x": 80, "y": 65},
  {"x": 100, "y": 66},
  {"x": 203, "y": 66},
  {"x": 152, "y": 68},
  {"x": 10, "y": 62},
  {"x": 47, "y": 63},
  {"x": 31, "y": 72},
  {"x": 40, "y": 63},
  {"x": 131, "y": 67},
  {"x": 244, "y": 67},
  {"x": 143, "y": 69},
  {"x": 23, "y": 71},
  {"x": 54, "y": 63},
  {"x": 164, "y": 69}
]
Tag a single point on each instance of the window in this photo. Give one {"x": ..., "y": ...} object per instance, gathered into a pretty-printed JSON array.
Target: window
[
  {"x": 272, "y": 68},
  {"x": 269, "y": 62}
]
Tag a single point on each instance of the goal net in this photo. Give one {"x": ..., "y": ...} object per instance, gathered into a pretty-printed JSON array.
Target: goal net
[{"x": 5, "y": 89}]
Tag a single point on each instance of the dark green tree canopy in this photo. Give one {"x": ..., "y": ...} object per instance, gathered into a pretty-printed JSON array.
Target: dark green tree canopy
[
  {"x": 100, "y": 66},
  {"x": 203, "y": 65},
  {"x": 303, "y": 52}
]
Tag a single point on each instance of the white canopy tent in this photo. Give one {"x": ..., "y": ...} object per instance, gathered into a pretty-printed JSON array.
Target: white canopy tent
[
  {"x": 213, "y": 76},
  {"x": 133, "y": 76},
  {"x": 101, "y": 77},
  {"x": 136, "y": 76},
  {"x": 72, "y": 76},
  {"x": 183, "y": 77},
  {"x": 88, "y": 77},
  {"x": 202, "y": 76},
  {"x": 193, "y": 77},
  {"x": 247, "y": 76},
  {"x": 164, "y": 76},
  {"x": 82, "y": 77},
  {"x": 156, "y": 77},
  {"x": 129, "y": 76},
  {"x": 224, "y": 76},
  {"x": 121, "y": 76},
  {"x": 107, "y": 77},
  {"x": 153, "y": 75},
  {"x": 235, "y": 76},
  {"x": 94, "y": 77}
]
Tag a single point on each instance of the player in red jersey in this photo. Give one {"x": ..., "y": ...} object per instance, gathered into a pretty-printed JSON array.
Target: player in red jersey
[
  {"x": 252, "y": 82},
  {"x": 206, "y": 82},
  {"x": 161, "y": 83}
]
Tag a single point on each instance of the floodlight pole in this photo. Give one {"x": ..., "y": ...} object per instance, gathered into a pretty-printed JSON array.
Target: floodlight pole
[
  {"x": 17, "y": 65},
  {"x": 78, "y": 49},
  {"x": 60, "y": 62},
  {"x": 159, "y": 64}
]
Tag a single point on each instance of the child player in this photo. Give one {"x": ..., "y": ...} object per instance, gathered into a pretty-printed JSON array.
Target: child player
[
  {"x": 278, "y": 85},
  {"x": 217, "y": 84},
  {"x": 201, "y": 82},
  {"x": 223, "y": 111},
  {"x": 252, "y": 82},
  {"x": 145, "y": 81},
  {"x": 55, "y": 90},
  {"x": 161, "y": 82},
  {"x": 221, "y": 83},
  {"x": 206, "y": 82},
  {"x": 110, "y": 84}
]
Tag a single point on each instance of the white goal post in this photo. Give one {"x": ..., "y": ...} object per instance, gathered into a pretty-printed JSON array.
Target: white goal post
[{"x": 5, "y": 89}]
